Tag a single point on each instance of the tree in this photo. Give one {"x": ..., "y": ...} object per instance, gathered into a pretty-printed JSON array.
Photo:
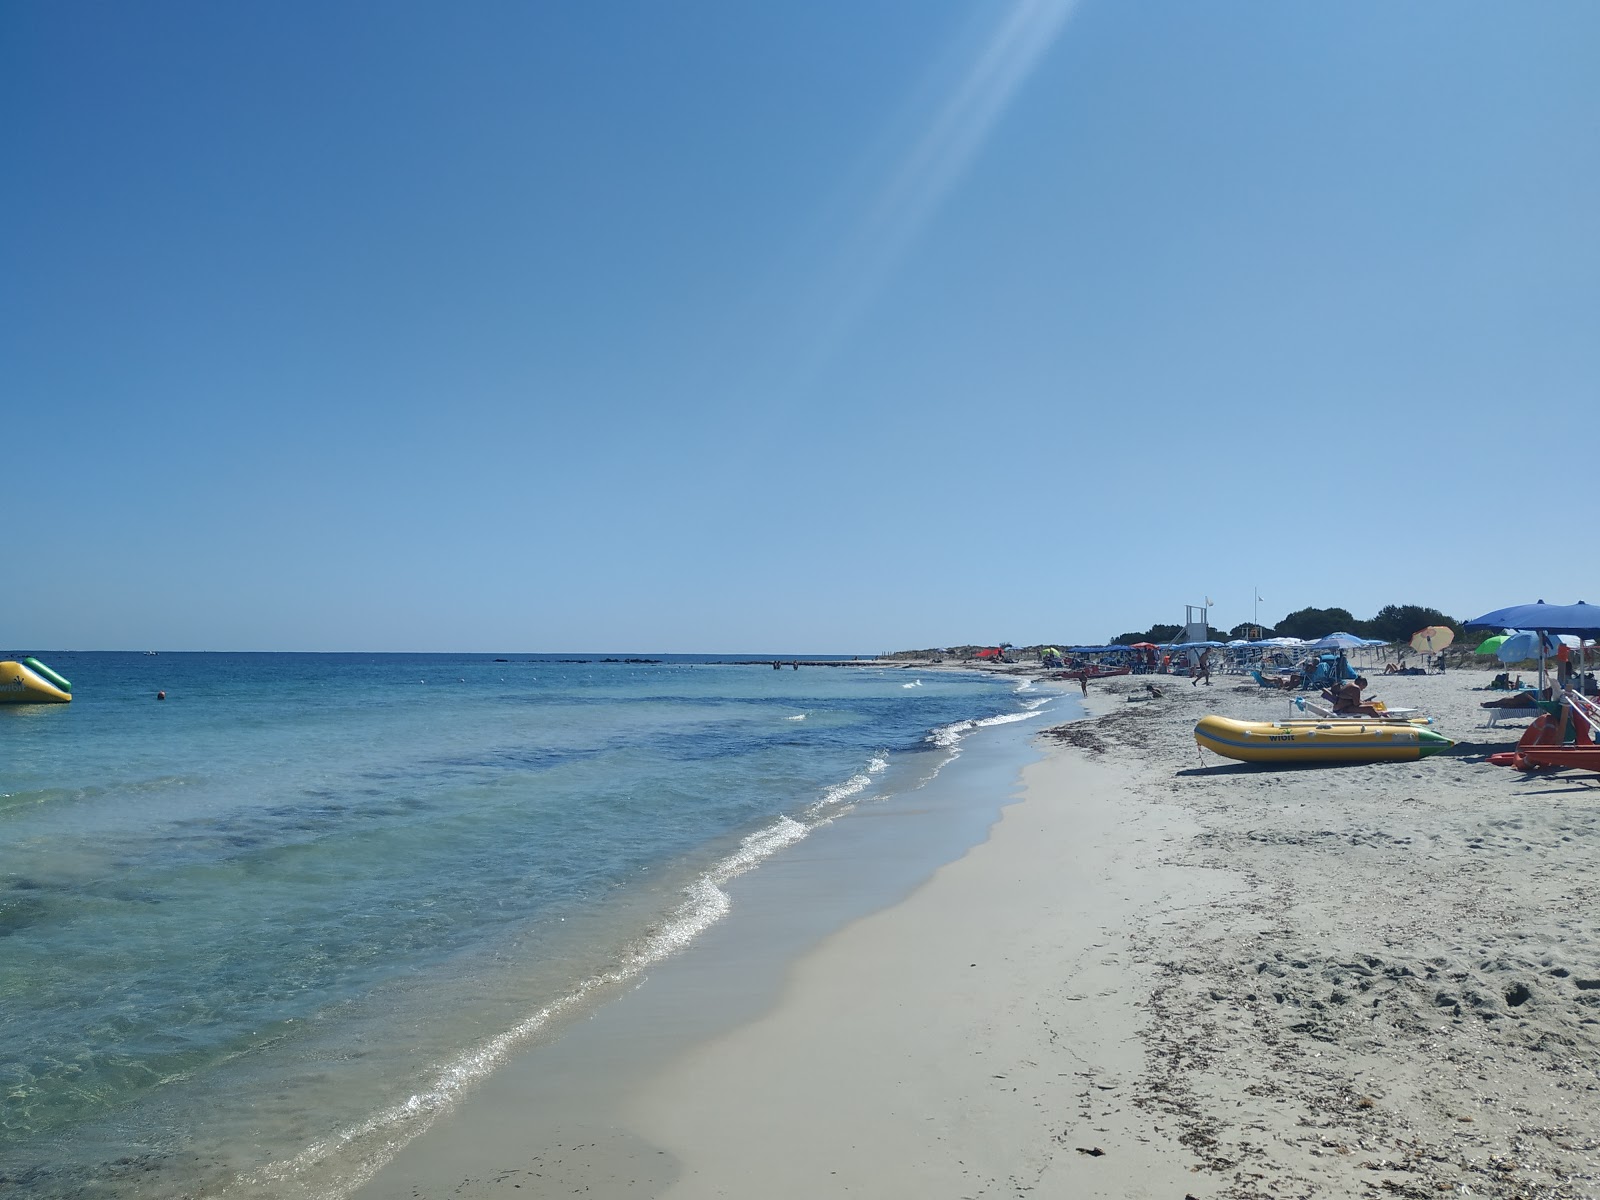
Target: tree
[
  {"x": 1313, "y": 623},
  {"x": 1249, "y": 631},
  {"x": 1156, "y": 634},
  {"x": 1397, "y": 622}
]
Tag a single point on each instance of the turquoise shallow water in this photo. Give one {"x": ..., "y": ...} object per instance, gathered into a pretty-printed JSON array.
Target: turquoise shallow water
[{"x": 279, "y": 917}]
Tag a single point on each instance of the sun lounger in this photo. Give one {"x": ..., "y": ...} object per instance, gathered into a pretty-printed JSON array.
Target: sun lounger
[
  {"x": 1273, "y": 681},
  {"x": 1316, "y": 708},
  {"x": 1523, "y": 704}
]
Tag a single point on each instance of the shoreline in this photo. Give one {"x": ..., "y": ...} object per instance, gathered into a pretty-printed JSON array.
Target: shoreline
[
  {"x": 931, "y": 1049},
  {"x": 1161, "y": 974},
  {"x": 560, "y": 1100}
]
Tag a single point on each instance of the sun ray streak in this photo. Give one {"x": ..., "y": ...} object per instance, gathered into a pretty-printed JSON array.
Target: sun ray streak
[{"x": 935, "y": 164}]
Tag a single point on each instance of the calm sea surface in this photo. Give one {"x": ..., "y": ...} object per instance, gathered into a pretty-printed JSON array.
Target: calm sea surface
[{"x": 259, "y": 933}]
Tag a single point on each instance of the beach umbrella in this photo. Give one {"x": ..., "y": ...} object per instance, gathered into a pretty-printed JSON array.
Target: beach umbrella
[
  {"x": 1432, "y": 639},
  {"x": 1525, "y": 645},
  {"x": 1579, "y": 618},
  {"x": 1490, "y": 645},
  {"x": 1338, "y": 641}
]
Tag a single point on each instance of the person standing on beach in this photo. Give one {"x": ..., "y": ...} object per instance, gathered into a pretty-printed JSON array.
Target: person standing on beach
[
  {"x": 1563, "y": 671},
  {"x": 1083, "y": 681},
  {"x": 1201, "y": 669}
]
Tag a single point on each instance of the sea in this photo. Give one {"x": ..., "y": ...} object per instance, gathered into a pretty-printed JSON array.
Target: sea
[{"x": 257, "y": 935}]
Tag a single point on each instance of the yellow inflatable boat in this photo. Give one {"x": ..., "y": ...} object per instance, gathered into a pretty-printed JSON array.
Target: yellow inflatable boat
[
  {"x": 1336, "y": 741},
  {"x": 31, "y": 682}
]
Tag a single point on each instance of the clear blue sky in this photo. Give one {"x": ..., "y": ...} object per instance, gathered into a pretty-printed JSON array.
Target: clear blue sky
[{"x": 832, "y": 327}]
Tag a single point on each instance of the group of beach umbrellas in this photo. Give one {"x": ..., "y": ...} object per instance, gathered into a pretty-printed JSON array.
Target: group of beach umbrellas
[
  {"x": 1519, "y": 645},
  {"x": 1578, "y": 619},
  {"x": 1537, "y": 630},
  {"x": 1523, "y": 644},
  {"x": 1533, "y": 631},
  {"x": 1333, "y": 641}
]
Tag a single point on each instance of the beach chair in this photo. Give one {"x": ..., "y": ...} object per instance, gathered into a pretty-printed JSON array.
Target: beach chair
[
  {"x": 1522, "y": 705},
  {"x": 1317, "y": 708}
]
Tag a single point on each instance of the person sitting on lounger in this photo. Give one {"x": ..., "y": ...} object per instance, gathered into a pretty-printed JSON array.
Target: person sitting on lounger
[{"x": 1347, "y": 700}]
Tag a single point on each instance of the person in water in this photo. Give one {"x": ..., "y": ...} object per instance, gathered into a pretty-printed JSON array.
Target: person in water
[{"x": 1347, "y": 700}]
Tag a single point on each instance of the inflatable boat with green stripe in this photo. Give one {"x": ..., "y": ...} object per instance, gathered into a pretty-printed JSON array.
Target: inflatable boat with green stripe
[{"x": 1333, "y": 741}]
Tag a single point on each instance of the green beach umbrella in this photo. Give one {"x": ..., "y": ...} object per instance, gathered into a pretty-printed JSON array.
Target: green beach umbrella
[{"x": 1490, "y": 645}]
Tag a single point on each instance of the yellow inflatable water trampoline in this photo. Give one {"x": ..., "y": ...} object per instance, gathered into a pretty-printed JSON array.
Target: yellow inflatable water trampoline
[
  {"x": 1333, "y": 741},
  {"x": 31, "y": 682}
]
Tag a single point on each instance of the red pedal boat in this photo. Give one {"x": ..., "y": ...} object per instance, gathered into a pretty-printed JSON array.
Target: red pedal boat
[
  {"x": 1546, "y": 758},
  {"x": 1544, "y": 746}
]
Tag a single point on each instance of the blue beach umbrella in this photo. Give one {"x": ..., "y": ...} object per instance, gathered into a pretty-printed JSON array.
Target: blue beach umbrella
[
  {"x": 1525, "y": 645},
  {"x": 1579, "y": 618},
  {"x": 1338, "y": 641}
]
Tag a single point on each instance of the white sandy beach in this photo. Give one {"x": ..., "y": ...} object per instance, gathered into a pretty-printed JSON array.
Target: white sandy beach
[
  {"x": 978, "y": 1039},
  {"x": 1161, "y": 976}
]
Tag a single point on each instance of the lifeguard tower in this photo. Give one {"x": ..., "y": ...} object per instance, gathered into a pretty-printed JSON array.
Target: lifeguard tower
[{"x": 1196, "y": 621}]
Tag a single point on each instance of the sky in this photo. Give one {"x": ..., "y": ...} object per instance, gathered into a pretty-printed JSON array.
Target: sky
[{"x": 817, "y": 328}]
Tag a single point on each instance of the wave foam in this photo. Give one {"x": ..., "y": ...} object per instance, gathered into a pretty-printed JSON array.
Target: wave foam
[
  {"x": 853, "y": 786},
  {"x": 1005, "y": 719},
  {"x": 375, "y": 1141},
  {"x": 764, "y": 843},
  {"x": 392, "y": 1128},
  {"x": 948, "y": 737}
]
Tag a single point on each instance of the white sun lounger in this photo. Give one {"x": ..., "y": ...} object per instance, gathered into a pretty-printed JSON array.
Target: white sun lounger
[{"x": 1324, "y": 712}]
